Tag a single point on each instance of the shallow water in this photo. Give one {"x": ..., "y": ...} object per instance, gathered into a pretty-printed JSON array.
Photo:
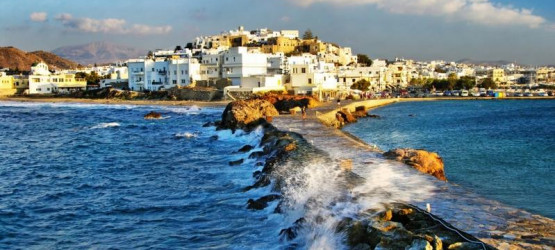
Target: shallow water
[{"x": 501, "y": 149}]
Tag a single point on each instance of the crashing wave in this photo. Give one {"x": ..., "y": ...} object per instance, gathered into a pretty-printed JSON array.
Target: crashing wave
[{"x": 106, "y": 125}]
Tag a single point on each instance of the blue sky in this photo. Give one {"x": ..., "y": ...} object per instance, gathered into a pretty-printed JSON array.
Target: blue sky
[{"x": 514, "y": 30}]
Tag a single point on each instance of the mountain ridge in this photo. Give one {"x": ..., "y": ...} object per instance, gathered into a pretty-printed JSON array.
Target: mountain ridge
[
  {"x": 14, "y": 58},
  {"x": 98, "y": 52}
]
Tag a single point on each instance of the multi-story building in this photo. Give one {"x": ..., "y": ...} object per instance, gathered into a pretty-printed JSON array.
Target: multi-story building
[
  {"x": 41, "y": 81},
  {"x": 162, "y": 73},
  {"x": 241, "y": 62},
  {"x": 497, "y": 75},
  {"x": 7, "y": 86}
]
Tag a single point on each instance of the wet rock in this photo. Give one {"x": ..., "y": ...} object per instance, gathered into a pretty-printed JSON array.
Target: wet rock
[
  {"x": 256, "y": 154},
  {"x": 361, "y": 246},
  {"x": 465, "y": 246},
  {"x": 423, "y": 161},
  {"x": 237, "y": 162},
  {"x": 291, "y": 233},
  {"x": 247, "y": 114},
  {"x": 208, "y": 124},
  {"x": 245, "y": 149},
  {"x": 262, "y": 202},
  {"x": 153, "y": 115},
  {"x": 420, "y": 244},
  {"x": 214, "y": 138}
]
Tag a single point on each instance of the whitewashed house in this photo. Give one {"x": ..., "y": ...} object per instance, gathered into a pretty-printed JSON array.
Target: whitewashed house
[{"x": 239, "y": 62}]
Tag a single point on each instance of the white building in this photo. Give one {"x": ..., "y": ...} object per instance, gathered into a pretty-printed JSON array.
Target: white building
[
  {"x": 41, "y": 81},
  {"x": 157, "y": 74},
  {"x": 241, "y": 62}
]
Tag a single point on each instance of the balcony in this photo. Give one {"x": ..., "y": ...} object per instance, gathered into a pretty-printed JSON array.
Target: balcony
[
  {"x": 157, "y": 83},
  {"x": 162, "y": 72}
]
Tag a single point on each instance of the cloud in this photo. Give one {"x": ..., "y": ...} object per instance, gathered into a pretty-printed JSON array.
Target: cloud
[
  {"x": 476, "y": 11},
  {"x": 109, "y": 26},
  {"x": 285, "y": 19},
  {"x": 38, "y": 16}
]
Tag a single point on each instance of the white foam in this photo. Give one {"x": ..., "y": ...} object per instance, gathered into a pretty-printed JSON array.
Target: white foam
[
  {"x": 320, "y": 193},
  {"x": 106, "y": 125},
  {"x": 187, "y": 135}
]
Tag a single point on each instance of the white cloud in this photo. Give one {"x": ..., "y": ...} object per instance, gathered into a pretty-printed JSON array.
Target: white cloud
[
  {"x": 285, "y": 19},
  {"x": 38, "y": 16},
  {"x": 109, "y": 26},
  {"x": 477, "y": 11}
]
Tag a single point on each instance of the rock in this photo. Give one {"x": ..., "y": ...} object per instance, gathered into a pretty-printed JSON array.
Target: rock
[
  {"x": 361, "y": 246},
  {"x": 284, "y": 103},
  {"x": 464, "y": 246},
  {"x": 153, "y": 115},
  {"x": 262, "y": 202},
  {"x": 290, "y": 147},
  {"x": 245, "y": 149},
  {"x": 419, "y": 244},
  {"x": 437, "y": 243},
  {"x": 292, "y": 232},
  {"x": 246, "y": 114},
  {"x": 346, "y": 164},
  {"x": 237, "y": 162},
  {"x": 423, "y": 161},
  {"x": 373, "y": 116},
  {"x": 347, "y": 116},
  {"x": 208, "y": 124},
  {"x": 256, "y": 154}
]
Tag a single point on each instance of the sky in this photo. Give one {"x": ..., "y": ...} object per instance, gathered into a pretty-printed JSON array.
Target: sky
[{"x": 521, "y": 31}]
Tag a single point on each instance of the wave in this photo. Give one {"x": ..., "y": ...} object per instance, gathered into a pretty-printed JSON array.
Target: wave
[
  {"x": 106, "y": 125},
  {"x": 66, "y": 105},
  {"x": 187, "y": 135}
]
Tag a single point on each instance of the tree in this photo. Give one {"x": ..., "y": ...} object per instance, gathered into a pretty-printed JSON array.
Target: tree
[
  {"x": 452, "y": 79},
  {"x": 364, "y": 59},
  {"x": 488, "y": 83},
  {"x": 465, "y": 82},
  {"x": 308, "y": 35},
  {"x": 362, "y": 85}
]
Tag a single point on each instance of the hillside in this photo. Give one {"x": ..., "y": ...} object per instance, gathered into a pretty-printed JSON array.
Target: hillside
[
  {"x": 15, "y": 58},
  {"x": 98, "y": 52}
]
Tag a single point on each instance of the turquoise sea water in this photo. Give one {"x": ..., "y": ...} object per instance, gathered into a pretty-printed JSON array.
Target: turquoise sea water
[{"x": 501, "y": 149}]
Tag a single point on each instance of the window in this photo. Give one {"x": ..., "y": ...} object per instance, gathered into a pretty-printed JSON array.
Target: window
[
  {"x": 38, "y": 89},
  {"x": 182, "y": 72},
  {"x": 303, "y": 70},
  {"x": 309, "y": 80},
  {"x": 182, "y": 80},
  {"x": 47, "y": 89},
  {"x": 174, "y": 81},
  {"x": 175, "y": 72},
  {"x": 227, "y": 59}
]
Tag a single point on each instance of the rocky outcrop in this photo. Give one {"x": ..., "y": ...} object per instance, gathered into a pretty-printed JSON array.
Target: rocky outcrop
[
  {"x": 246, "y": 114},
  {"x": 284, "y": 103},
  {"x": 153, "y": 115},
  {"x": 405, "y": 227},
  {"x": 423, "y": 161}
]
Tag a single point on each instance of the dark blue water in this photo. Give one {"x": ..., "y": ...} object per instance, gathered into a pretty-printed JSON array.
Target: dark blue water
[
  {"x": 94, "y": 176},
  {"x": 501, "y": 149}
]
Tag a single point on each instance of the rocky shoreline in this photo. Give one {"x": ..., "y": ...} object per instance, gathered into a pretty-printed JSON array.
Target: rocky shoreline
[{"x": 285, "y": 152}]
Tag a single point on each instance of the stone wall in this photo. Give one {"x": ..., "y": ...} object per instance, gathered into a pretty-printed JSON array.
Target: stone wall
[{"x": 197, "y": 94}]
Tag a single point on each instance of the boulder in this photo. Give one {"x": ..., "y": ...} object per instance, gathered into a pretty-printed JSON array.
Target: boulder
[
  {"x": 245, "y": 148},
  {"x": 245, "y": 114},
  {"x": 153, "y": 115},
  {"x": 423, "y": 161}
]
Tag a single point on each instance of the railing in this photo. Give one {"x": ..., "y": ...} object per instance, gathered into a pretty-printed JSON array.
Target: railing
[
  {"x": 156, "y": 83},
  {"x": 162, "y": 72}
]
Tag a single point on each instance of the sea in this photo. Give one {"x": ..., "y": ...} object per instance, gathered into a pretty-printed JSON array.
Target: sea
[
  {"x": 100, "y": 176},
  {"x": 78, "y": 176},
  {"x": 500, "y": 149}
]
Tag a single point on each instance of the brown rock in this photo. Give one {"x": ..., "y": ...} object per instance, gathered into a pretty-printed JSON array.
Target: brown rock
[
  {"x": 290, "y": 147},
  {"x": 153, "y": 115},
  {"x": 423, "y": 161},
  {"x": 240, "y": 114}
]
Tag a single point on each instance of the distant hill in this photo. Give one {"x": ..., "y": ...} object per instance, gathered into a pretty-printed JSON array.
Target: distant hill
[
  {"x": 14, "y": 58},
  {"x": 489, "y": 63},
  {"x": 98, "y": 52}
]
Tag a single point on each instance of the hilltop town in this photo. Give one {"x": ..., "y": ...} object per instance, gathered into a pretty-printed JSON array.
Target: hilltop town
[{"x": 242, "y": 62}]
